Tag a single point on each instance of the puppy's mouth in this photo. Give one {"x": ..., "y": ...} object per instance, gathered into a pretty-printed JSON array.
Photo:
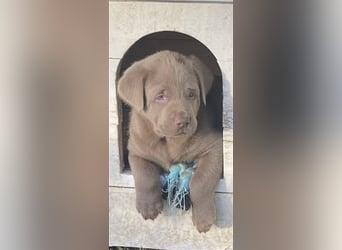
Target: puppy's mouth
[
  {"x": 181, "y": 133},
  {"x": 175, "y": 133}
]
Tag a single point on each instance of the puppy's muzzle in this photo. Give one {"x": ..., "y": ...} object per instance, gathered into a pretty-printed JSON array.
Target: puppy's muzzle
[{"x": 182, "y": 121}]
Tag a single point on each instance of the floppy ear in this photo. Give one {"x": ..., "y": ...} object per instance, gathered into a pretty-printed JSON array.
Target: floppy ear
[
  {"x": 131, "y": 86},
  {"x": 204, "y": 75}
]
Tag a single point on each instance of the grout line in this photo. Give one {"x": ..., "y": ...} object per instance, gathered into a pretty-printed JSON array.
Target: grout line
[{"x": 121, "y": 187}]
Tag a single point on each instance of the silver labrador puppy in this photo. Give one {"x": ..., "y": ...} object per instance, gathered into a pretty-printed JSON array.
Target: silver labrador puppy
[{"x": 169, "y": 124}]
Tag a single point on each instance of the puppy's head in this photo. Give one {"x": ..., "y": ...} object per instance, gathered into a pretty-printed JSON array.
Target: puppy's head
[{"x": 167, "y": 88}]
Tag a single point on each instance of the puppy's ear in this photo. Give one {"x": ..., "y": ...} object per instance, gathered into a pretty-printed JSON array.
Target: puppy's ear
[
  {"x": 204, "y": 75},
  {"x": 131, "y": 86}
]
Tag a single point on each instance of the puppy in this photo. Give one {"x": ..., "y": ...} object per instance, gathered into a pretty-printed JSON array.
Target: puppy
[{"x": 169, "y": 124}]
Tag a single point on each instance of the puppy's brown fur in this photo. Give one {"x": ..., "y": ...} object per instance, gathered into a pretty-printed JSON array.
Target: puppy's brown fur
[{"x": 167, "y": 92}]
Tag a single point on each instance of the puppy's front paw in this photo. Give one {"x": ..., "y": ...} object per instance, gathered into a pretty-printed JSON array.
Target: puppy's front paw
[
  {"x": 149, "y": 207},
  {"x": 203, "y": 217}
]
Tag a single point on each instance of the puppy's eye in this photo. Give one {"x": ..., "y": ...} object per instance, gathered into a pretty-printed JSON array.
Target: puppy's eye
[
  {"x": 161, "y": 98},
  {"x": 191, "y": 94}
]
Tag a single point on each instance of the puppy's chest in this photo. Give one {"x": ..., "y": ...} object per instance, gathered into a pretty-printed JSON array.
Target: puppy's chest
[{"x": 167, "y": 154}]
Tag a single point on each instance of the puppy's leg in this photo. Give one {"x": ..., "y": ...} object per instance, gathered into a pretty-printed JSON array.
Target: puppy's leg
[
  {"x": 147, "y": 186},
  {"x": 202, "y": 188}
]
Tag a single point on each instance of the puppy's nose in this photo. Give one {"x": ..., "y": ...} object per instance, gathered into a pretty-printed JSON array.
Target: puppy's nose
[{"x": 182, "y": 120}]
